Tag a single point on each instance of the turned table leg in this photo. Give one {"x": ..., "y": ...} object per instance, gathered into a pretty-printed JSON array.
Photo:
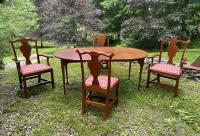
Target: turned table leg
[
  {"x": 141, "y": 62},
  {"x": 66, "y": 70},
  {"x": 63, "y": 75},
  {"x": 129, "y": 70}
]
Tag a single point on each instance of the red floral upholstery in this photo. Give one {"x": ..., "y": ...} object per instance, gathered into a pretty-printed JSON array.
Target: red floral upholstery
[
  {"x": 34, "y": 68},
  {"x": 103, "y": 81},
  {"x": 166, "y": 68}
]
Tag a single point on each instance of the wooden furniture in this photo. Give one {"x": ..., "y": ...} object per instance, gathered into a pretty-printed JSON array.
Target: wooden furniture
[
  {"x": 192, "y": 70},
  {"x": 195, "y": 65},
  {"x": 98, "y": 83},
  {"x": 169, "y": 70},
  {"x": 30, "y": 70},
  {"x": 121, "y": 54},
  {"x": 100, "y": 39}
]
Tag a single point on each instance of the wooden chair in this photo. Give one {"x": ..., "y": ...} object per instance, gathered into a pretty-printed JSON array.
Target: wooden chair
[
  {"x": 98, "y": 83},
  {"x": 169, "y": 70},
  {"x": 100, "y": 40},
  {"x": 30, "y": 70}
]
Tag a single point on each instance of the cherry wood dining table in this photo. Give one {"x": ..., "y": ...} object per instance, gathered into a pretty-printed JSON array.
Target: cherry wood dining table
[{"x": 121, "y": 54}]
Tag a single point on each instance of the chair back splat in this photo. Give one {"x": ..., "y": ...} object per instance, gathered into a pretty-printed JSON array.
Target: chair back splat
[
  {"x": 101, "y": 40},
  {"x": 25, "y": 49},
  {"x": 95, "y": 65},
  {"x": 172, "y": 49}
]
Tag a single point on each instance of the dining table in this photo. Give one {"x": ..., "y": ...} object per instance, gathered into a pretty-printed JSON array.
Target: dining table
[{"x": 121, "y": 54}]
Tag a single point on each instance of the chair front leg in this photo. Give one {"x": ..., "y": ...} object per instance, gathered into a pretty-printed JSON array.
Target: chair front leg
[
  {"x": 83, "y": 101},
  {"x": 39, "y": 78},
  {"x": 52, "y": 80},
  {"x": 105, "y": 114},
  {"x": 176, "y": 87},
  {"x": 158, "y": 78},
  {"x": 117, "y": 93},
  {"x": 25, "y": 87},
  {"x": 20, "y": 81}
]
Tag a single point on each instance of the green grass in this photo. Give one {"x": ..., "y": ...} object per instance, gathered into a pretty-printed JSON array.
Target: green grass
[{"x": 147, "y": 112}]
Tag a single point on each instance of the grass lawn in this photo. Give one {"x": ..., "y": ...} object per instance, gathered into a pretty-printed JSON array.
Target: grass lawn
[{"x": 147, "y": 112}]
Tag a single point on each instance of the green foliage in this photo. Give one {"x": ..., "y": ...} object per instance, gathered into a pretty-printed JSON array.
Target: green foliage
[
  {"x": 1, "y": 1},
  {"x": 169, "y": 122},
  {"x": 151, "y": 20},
  {"x": 143, "y": 23},
  {"x": 17, "y": 17},
  {"x": 67, "y": 21},
  {"x": 193, "y": 18},
  {"x": 114, "y": 14}
]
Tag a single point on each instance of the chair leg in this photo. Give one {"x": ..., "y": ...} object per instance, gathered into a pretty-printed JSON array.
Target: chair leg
[
  {"x": 105, "y": 114},
  {"x": 116, "y": 94},
  {"x": 52, "y": 80},
  {"x": 25, "y": 87},
  {"x": 90, "y": 93},
  {"x": 39, "y": 78},
  {"x": 83, "y": 101},
  {"x": 20, "y": 81},
  {"x": 148, "y": 78},
  {"x": 158, "y": 78},
  {"x": 176, "y": 87}
]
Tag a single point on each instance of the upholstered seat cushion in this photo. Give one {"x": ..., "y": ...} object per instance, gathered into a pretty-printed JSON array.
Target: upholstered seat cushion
[
  {"x": 34, "y": 68},
  {"x": 103, "y": 81},
  {"x": 166, "y": 69}
]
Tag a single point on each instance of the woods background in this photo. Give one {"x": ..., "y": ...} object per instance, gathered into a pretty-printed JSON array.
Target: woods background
[{"x": 133, "y": 23}]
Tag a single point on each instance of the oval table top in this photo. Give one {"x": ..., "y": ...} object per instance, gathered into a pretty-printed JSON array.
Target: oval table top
[{"x": 120, "y": 53}]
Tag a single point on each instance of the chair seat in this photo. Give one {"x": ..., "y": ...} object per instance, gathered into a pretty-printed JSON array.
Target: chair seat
[
  {"x": 103, "y": 81},
  {"x": 34, "y": 68},
  {"x": 166, "y": 69}
]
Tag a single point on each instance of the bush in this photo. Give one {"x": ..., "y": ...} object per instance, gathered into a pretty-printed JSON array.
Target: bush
[
  {"x": 2, "y": 53},
  {"x": 17, "y": 17}
]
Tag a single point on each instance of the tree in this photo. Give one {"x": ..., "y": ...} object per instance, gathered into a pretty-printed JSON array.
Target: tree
[
  {"x": 68, "y": 20},
  {"x": 1, "y": 1},
  {"x": 115, "y": 12},
  {"x": 193, "y": 18},
  {"x": 151, "y": 20},
  {"x": 39, "y": 31},
  {"x": 2, "y": 49},
  {"x": 17, "y": 17}
]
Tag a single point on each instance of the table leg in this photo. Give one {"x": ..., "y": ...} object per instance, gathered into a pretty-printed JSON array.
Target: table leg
[
  {"x": 129, "y": 71},
  {"x": 66, "y": 70},
  {"x": 141, "y": 62},
  {"x": 63, "y": 75}
]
